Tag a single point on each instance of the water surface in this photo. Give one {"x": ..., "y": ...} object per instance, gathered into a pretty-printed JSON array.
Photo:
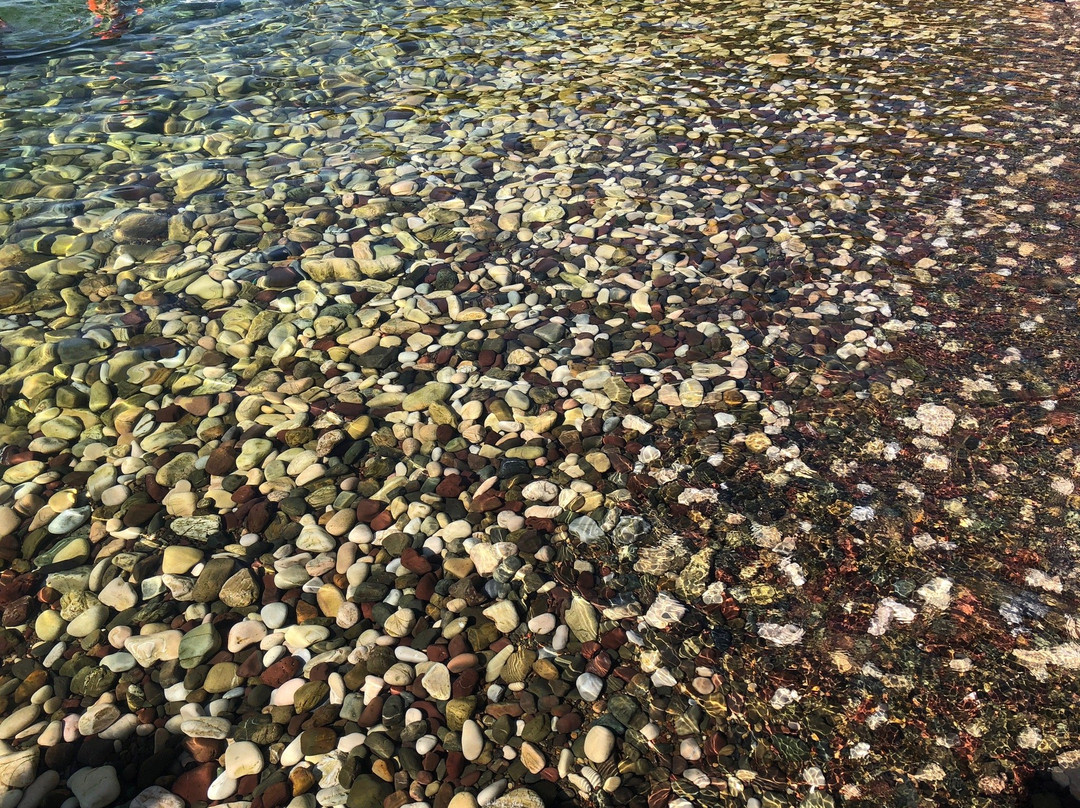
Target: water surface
[{"x": 799, "y": 278}]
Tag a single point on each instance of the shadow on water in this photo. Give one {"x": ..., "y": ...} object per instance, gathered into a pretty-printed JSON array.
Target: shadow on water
[
  {"x": 18, "y": 56},
  {"x": 89, "y": 26},
  {"x": 1042, "y": 791}
]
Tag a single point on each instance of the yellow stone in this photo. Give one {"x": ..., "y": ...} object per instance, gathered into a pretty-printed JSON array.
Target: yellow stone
[
  {"x": 63, "y": 499},
  {"x": 330, "y": 600},
  {"x": 77, "y": 550},
  {"x": 49, "y": 625},
  {"x": 758, "y": 442},
  {"x": 179, "y": 560},
  {"x": 360, "y": 428}
]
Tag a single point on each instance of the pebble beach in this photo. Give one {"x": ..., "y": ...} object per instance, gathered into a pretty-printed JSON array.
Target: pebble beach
[{"x": 535, "y": 405}]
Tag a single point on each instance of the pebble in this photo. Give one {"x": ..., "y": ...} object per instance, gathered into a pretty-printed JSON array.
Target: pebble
[
  {"x": 599, "y": 743},
  {"x": 503, "y": 615},
  {"x": 472, "y": 740},
  {"x": 243, "y": 758},
  {"x": 589, "y": 686},
  {"x": 156, "y": 797},
  {"x": 436, "y": 682},
  {"x": 94, "y": 787}
]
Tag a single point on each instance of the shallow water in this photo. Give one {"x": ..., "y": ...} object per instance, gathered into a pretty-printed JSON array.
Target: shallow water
[{"x": 844, "y": 216}]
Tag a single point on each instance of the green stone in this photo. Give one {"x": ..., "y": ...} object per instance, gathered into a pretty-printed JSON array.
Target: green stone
[
  {"x": 93, "y": 682},
  {"x": 368, "y": 792},
  {"x": 310, "y": 695},
  {"x": 458, "y": 711},
  {"x": 258, "y": 729},
  {"x": 427, "y": 395},
  {"x": 215, "y": 573},
  {"x": 481, "y": 636},
  {"x": 221, "y": 678},
  {"x": 318, "y": 741},
  {"x": 198, "y": 645},
  {"x": 537, "y": 729}
]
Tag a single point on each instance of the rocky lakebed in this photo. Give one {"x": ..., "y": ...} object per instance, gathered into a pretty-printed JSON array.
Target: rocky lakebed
[{"x": 527, "y": 405}]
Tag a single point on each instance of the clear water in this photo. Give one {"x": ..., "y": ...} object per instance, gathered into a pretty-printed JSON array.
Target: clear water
[{"x": 903, "y": 130}]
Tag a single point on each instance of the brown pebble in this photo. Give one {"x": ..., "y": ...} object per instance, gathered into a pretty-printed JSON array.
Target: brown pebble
[
  {"x": 302, "y": 780},
  {"x": 204, "y": 749},
  {"x": 273, "y": 796}
]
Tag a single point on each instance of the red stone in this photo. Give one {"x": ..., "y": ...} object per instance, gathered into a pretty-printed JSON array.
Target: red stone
[
  {"x": 367, "y": 509},
  {"x": 281, "y": 671},
  {"x": 455, "y": 765},
  {"x": 191, "y": 786},
  {"x": 451, "y": 486},
  {"x": 486, "y": 502},
  {"x": 425, "y": 587},
  {"x": 413, "y": 561},
  {"x": 465, "y": 684},
  {"x": 273, "y": 796},
  {"x": 382, "y": 521}
]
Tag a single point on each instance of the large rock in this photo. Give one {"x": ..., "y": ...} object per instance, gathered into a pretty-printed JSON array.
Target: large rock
[
  {"x": 214, "y": 574},
  {"x": 242, "y": 589},
  {"x": 17, "y": 770},
  {"x": 326, "y": 270}
]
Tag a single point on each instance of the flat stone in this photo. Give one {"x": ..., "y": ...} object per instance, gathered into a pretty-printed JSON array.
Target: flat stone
[
  {"x": 582, "y": 620},
  {"x": 305, "y": 635},
  {"x": 196, "y": 181},
  {"x": 197, "y": 528},
  {"x": 156, "y": 797},
  {"x": 98, "y": 718},
  {"x": 240, "y": 590},
  {"x": 17, "y": 770},
  {"x": 504, "y": 615},
  {"x": 142, "y": 226},
  {"x": 437, "y": 682},
  {"x": 213, "y": 727},
  {"x": 197, "y": 645},
  {"x": 151, "y": 648},
  {"x": 118, "y": 594},
  {"x": 243, "y": 758},
  {"x": 426, "y": 396},
  {"x": 18, "y": 720},
  {"x": 518, "y": 798},
  {"x": 178, "y": 560},
  {"x": 532, "y": 758}
]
